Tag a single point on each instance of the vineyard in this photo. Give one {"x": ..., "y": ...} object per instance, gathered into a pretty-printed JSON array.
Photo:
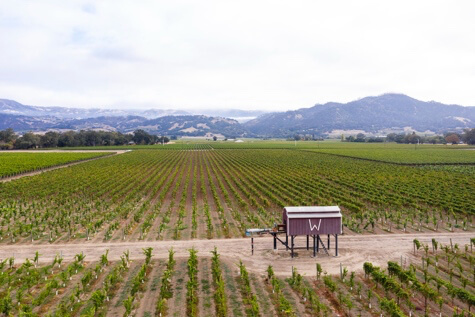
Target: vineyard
[
  {"x": 12, "y": 164},
  {"x": 402, "y": 153},
  {"x": 156, "y": 195},
  {"x": 159, "y": 199},
  {"x": 436, "y": 280}
]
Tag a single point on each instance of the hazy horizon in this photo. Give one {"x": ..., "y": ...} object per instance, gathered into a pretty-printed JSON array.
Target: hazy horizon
[
  {"x": 205, "y": 109},
  {"x": 265, "y": 55}
]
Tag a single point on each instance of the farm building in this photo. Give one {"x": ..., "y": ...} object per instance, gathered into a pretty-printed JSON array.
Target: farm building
[{"x": 312, "y": 221}]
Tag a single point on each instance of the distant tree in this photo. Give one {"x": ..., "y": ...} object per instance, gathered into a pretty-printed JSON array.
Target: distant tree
[
  {"x": 7, "y": 136},
  {"x": 360, "y": 137},
  {"x": 49, "y": 139},
  {"x": 400, "y": 138},
  {"x": 79, "y": 138},
  {"x": 375, "y": 139},
  {"x": 142, "y": 137},
  {"x": 120, "y": 139},
  {"x": 413, "y": 138},
  {"x": 67, "y": 139},
  {"x": 109, "y": 138},
  {"x": 215, "y": 138},
  {"x": 28, "y": 141},
  {"x": 452, "y": 138},
  {"x": 437, "y": 139},
  {"x": 92, "y": 138},
  {"x": 469, "y": 136},
  {"x": 163, "y": 139},
  {"x": 391, "y": 137}
]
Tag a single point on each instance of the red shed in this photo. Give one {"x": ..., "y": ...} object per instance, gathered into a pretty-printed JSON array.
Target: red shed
[{"x": 313, "y": 220}]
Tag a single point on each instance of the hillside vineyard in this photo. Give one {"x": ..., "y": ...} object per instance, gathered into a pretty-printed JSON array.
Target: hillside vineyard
[{"x": 209, "y": 193}]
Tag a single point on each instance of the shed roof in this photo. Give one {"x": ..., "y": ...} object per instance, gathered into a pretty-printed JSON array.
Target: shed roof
[
  {"x": 316, "y": 215},
  {"x": 313, "y": 209}
]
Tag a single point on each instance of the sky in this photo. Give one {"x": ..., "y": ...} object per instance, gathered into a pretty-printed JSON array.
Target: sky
[{"x": 270, "y": 55}]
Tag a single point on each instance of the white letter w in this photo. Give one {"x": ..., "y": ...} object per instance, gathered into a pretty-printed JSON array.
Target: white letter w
[{"x": 314, "y": 226}]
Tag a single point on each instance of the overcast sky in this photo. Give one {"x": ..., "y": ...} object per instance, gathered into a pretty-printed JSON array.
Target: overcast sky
[{"x": 272, "y": 55}]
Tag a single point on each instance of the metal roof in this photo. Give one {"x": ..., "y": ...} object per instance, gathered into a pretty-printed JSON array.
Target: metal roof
[
  {"x": 312, "y": 209},
  {"x": 306, "y": 215}
]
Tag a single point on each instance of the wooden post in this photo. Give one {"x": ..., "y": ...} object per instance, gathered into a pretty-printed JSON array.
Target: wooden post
[
  {"x": 252, "y": 245},
  {"x": 286, "y": 242},
  {"x": 307, "y": 242},
  {"x": 318, "y": 242},
  {"x": 336, "y": 245},
  {"x": 328, "y": 242},
  {"x": 275, "y": 241},
  {"x": 292, "y": 246},
  {"x": 314, "y": 247}
]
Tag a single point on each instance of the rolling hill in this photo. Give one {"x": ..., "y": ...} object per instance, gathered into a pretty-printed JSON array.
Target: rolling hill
[
  {"x": 376, "y": 115},
  {"x": 371, "y": 114}
]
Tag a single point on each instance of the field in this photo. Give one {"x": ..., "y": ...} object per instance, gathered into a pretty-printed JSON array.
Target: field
[
  {"x": 428, "y": 278},
  {"x": 14, "y": 163},
  {"x": 193, "y": 196},
  {"x": 403, "y": 153},
  {"x": 149, "y": 195}
]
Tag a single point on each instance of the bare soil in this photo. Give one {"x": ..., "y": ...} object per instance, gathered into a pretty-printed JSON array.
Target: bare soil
[
  {"x": 354, "y": 250},
  {"x": 149, "y": 299},
  {"x": 205, "y": 296}
]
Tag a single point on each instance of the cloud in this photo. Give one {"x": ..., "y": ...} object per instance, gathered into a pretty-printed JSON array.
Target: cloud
[
  {"x": 247, "y": 54},
  {"x": 89, "y": 8},
  {"x": 116, "y": 53}
]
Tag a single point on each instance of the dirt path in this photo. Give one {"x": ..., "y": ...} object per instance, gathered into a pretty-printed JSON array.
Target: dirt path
[
  {"x": 47, "y": 169},
  {"x": 149, "y": 300},
  {"x": 353, "y": 251}
]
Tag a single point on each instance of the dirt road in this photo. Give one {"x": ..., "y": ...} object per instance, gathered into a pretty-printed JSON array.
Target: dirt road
[
  {"x": 353, "y": 251},
  {"x": 7, "y": 179}
]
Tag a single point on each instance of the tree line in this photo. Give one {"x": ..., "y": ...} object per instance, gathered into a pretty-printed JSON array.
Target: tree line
[
  {"x": 10, "y": 140},
  {"x": 412, "y": 138}
]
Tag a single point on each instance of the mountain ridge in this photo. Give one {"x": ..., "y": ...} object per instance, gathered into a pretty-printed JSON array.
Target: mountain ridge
[
  {"x": 13, "y": 107},
  {"x": 372, "y": 114}
]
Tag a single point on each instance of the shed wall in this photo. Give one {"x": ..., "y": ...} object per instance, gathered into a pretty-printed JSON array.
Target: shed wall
[{"x": 313, "y": 226}]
